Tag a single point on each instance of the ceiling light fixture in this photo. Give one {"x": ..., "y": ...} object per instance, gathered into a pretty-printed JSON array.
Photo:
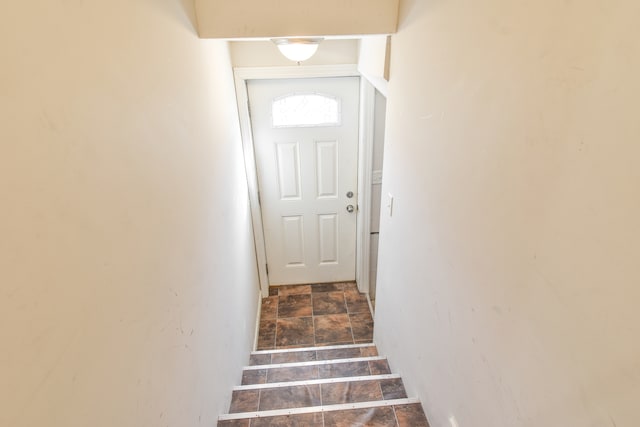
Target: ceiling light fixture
[{"x": 298, "y": 49}]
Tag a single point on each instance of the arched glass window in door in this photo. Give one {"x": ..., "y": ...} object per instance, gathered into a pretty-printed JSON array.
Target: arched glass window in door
[{"x": 306, "y": 110}]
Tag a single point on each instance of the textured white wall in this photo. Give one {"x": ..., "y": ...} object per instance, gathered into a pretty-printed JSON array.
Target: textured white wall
[
  {"x": 508, "y": 275},
  {"x": 128, "y": 289},
  {"x": 287, "y": 18}
]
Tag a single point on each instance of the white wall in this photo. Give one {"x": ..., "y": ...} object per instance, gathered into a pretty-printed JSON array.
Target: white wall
[
  {"x": 290, "y": 18},
  {"x": 508, "y": 277},
  {"x": 374, "y": 60},
  {"x": 127, "y": 284}
]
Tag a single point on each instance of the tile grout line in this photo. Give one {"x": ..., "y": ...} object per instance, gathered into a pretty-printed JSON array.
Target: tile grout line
[
  {"x": 259, "y": 397},
  {"x": 380, "y": 388},
  {"x": 395, "y": 416},
  {"x": 313, "y": 324},
  {"x": 321, "y": 403},
  {"x": 353, "y": 336},
  {"x": 275, "y": 341}
]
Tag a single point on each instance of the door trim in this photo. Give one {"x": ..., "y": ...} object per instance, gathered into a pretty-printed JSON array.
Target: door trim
[{"x": 365, "y": 148}]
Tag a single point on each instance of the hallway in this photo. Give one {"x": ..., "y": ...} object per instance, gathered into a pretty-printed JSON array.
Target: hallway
[{"x": 509, "y": 234}]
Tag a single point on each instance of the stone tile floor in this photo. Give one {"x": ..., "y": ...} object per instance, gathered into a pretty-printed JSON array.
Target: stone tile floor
[{"x": 314, "y": 315}]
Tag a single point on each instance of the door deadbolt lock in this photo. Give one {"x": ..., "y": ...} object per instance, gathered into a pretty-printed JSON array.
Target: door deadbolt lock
[
  {"x": 350, "y": 208},
  {"x": 349, "y": 194}
]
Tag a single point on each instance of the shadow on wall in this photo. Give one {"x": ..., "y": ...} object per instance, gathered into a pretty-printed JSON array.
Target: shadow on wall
[
  {"x": 183, "y": 12},
  {"x": 189, "y": 8},
  {"x": 409, "y": 10}
]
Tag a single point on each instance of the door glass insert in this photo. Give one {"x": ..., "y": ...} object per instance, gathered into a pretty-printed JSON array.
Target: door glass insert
[{"x": 305, "y": 110}]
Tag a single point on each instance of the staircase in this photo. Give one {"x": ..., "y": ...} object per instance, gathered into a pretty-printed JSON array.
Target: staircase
[{"x": 327, "y": 386}]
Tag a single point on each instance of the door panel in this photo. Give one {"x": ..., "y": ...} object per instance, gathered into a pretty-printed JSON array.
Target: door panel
[
  {"x": 305, "y": 134},
  {"x": 289, "y": 171},
  {"x": 328, "y": 238},
  {"x": 293, "y": 238},
  {"x": 327, "y": 167}
]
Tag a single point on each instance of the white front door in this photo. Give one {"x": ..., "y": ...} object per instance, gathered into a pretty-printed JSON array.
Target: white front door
[{"x": 305, "y": 134}]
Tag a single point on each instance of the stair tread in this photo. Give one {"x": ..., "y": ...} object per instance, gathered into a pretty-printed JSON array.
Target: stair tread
[
  {"x": 368, "y": 366},
  {"x": 313, "y": 348},
  {"x": 312, "y": 354},
  {"x": 320, "y": 408},
  {"x": 314, "y": 362},
  {"x": 397, "y": 414},
  {"x": 315, "y": 395},
  {"x": 317, "y": 381}
]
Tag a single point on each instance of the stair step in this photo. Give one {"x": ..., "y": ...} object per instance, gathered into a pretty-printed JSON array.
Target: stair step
[
  {"x": 267, "y": 357},
  {"x": 406, "y": 412},
  {"x": 321, "y": 381},
  {"x": 312, "y": 395},
  {"x": 315, "y": 370},
  {"x": 313, "y": 363}
]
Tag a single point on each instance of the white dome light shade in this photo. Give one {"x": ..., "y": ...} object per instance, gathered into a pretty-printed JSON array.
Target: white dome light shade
[{"x": 298, "y": 50}]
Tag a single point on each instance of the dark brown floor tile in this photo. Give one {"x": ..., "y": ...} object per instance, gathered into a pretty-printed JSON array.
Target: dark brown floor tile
[
  {"x": 294, "y": 356},
  {"x": 411, "y": 416},
  {"x": 327, "y": 287},
  {"x": 234, "y": 423},
  {"x": 290, "y": 397},
  {"x": 294, "y": 306},
  {"x": 329, "y": 303},
  {"x": 273, "y": 291},
  {"x": 350, "y": 286},
  {"x": 356, "y": 302},
  {"x": 267, "y": 335},
  {"x": 350, "y": 392},
  {"x": 371, "y": 417},
  {"x": 244, "y": 401},
  {"x": 299, "y": 420},
  {"x": 362, "y": 324},
  {"x": 369, "y": 351},
  {"x": 259, "y": 359},
  {"x": 338, "y": 353},
  {"x": 294, "y": 332},
  {"x": 296, "y": 373},
  {"x": 269, "y": 308},
  {"x": 254, "y": 376},
  {"x": 283, "y": 291},
  {"x": 393, "y": 389},
  {"x": 341, "y": 370},
  {"x": 379, "y": 367},
  {"x": 333, "y": 328}
]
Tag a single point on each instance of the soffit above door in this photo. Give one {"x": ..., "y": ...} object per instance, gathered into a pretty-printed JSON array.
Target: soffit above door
[{"x": 240, "y": 19}]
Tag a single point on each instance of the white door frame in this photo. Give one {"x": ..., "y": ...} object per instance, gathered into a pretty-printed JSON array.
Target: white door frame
[{"x": 365, "y": 155}]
